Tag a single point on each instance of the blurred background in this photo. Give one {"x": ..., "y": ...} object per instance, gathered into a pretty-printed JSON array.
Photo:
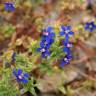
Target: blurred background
[{"x": 27, "y": 21}]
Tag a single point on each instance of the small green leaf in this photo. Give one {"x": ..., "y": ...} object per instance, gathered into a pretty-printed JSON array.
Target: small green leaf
[
  {"x": 62, "y": 89},
  {"x": 32, "y": 90}
]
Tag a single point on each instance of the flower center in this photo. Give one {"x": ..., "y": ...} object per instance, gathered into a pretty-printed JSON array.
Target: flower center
[
  {"x": 20, "y": 76},
  {"x": 45, "y": 33},
  {"x": 65, "y": 59},
  {"x": 69, "y": 45},
  {"x": 43, "y": 50},
  {"x": 9, "y": 5},
  {"x": 90, "y": 26},
  {"x": 67, "y": 31},
  {"x": 45, "y": 42}
]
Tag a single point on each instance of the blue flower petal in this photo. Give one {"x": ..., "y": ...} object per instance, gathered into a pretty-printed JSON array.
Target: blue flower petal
[
  {"x": 91, "y": 29},
  {"x": 49, "y": 29},
  {"x": 42, "y": 44},
  {"x": 71, "y": 33},
  {"x": 39, "y": 49},
  {"x": 63, "y": 27},
  {"x": 47, "y": 53},
  {"x": 15, "y": 72},
  {"x": 51, "y": 41},
  {"x": 62, "y": 33},
  {"x": 43, "y": 55},
  {"x": 87, "y": 26},
  {"x": 67, "y": 38},
  {"x": 14, "y": 56},
  {"x": 47, "y": 46},
  {"x": 52, "y": 34},
  {"x": 91, "y": 23},
  {"x": 63, "y": 63},
  {"x": 94, "y": 26},
  {"x": 18, "y": 80},
  {"x": 25, "y": 81},
  {"x": 68, "y": 28},
  {"x": 20, "y": 71},
  {"x": 47, "y": 39},
  {"x": 66, "y": 50},
  {"x": 69, "y": 57},
  {"x": 26, "y": 75},
  {"x": 65, "y": 43}
]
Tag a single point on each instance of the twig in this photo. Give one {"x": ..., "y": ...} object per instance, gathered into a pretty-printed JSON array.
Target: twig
[
  {"x": 83, "y": 74},
  {"x": 83, "y": 59},
  {"x": 88, "y": 51},
  {"x": 14, "y": 36}
]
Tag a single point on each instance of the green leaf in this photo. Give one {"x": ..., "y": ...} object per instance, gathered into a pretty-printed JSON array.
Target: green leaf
[
  {"x": 32, "y": 90},
  {"x": 7, "y": 88},
  {"x": 62, "y": 89},
  {"x": 9, "y": 30}
]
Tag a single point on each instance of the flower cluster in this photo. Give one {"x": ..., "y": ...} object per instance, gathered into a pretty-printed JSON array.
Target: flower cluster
[
  {"x": 9, "y": 6},
  {"x": 67, "y": 46},
  {"x": 20, "y": 76},
  {"x": 46, "y": 41},
  {"x": 65, "y": 60},
  {"x": 90, "y": 26},
  {"x": 66, "y": 32}
]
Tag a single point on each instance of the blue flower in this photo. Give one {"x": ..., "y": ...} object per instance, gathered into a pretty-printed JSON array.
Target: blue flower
[
  {"x": 66, "y": 50},
  {"x": 13, "y": 56},
  {"x": 46, "y": 41},
  {"x": 67, "y": 46},
  {"x": 49, "y": 32},
  {"x": 90, "y": 26},
  {"x": 44, "y": 51},
  {"x": 20, "y": 76},
  {"x": 65, "y": 60},
  {"x": 66, "y": 31},
  {"x": 9, "y": 6}
]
